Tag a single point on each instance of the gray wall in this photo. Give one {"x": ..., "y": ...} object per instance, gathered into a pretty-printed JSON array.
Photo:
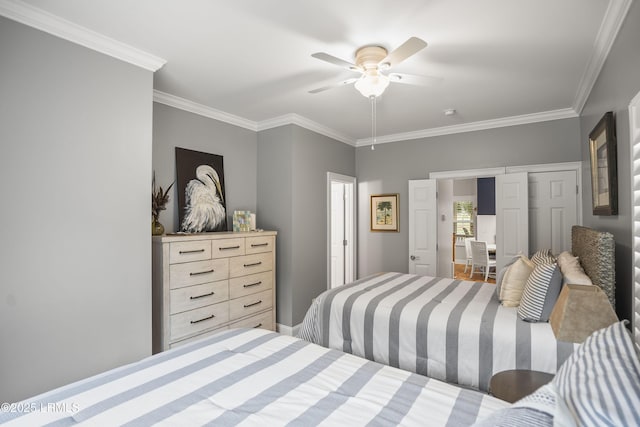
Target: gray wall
[
  {"x": 178, "y": 128},
  {"x": 388, "y": 168},
  {"x": 297, "y": 209},
  {"x": 75, "y": 170},
  {"x": 275, "y": 183},
  {"x": 618, "y": 83}
]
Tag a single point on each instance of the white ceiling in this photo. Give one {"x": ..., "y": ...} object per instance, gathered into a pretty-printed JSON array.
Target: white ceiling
[{"x": 501, "y": 61}]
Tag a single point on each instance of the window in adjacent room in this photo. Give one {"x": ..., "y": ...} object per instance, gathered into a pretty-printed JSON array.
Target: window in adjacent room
[{"x": 463, "y": 218}]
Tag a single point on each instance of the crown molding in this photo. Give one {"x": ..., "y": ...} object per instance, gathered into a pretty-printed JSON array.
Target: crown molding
[
  {"x": 544, "y": 116},
  {"x": 609, "y": 28},
  {"x": 203, "y": 110},
  {"x": 32, "y": 16},
  {"x": 296, "y": 119}
]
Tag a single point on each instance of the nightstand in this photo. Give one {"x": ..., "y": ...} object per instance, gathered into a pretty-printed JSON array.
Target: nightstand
[{"x": 515, "y": 384}]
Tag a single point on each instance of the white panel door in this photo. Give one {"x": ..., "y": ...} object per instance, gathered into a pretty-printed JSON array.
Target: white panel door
[
  {"x": 423, "y": 227},
  {"x": 553, "y": 202},
  {"x": 337, "y": 234},
  {"x": 512, "y": 217}
]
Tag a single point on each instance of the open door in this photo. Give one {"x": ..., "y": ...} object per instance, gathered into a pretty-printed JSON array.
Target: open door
[
  {"x": 341, "y": 229},
  {"x": 423, "y": 227},
  {"x": 512, "y": 217}
]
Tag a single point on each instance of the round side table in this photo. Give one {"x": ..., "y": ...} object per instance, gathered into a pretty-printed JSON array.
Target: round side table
[{"x": 515, "y": 384}]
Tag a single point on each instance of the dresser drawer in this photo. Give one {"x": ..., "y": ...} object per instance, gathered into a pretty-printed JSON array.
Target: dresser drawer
[
  {"x": 193, "y": 321},
  {"x": 189, "y": 251},
  {"x": 250, "y": 264},
  {"x": 195, "y": 273},
  {"x": 262, "y": 320},
  {"x": 227, "y": 247},
  {"x": 250, "y": 304},
  {"x": 190, "y": 297},
  {"x": 246, "y": 285},
  {"x": 259, "y": 244}
]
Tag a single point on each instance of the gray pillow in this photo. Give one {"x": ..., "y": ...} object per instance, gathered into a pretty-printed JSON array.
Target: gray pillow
[{"x": 540, "y": 293}]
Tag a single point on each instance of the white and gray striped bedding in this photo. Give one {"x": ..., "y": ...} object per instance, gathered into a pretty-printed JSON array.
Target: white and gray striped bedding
[
  {"x": 452, "y": 330},
  {"x": 254, "y": 377}
]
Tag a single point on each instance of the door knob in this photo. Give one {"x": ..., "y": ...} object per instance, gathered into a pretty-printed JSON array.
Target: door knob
[{"x": 413, "y": 257}]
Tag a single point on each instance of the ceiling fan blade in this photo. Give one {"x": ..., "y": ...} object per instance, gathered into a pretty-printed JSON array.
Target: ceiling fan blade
[
  {"x": 332, "y": 86},
  {"x": 335, "y": 61},
  {"x": 411, "y": 79},
  {"x": 405, "y": 50}
]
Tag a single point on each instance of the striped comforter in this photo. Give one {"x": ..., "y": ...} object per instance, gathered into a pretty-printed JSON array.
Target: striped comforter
[
  {"x": 254, "y": 378},
  {"x": 452, "y": 330}
]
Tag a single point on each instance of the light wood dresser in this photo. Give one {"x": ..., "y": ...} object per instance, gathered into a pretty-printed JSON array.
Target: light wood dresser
[{"x": 206, "y": 282}]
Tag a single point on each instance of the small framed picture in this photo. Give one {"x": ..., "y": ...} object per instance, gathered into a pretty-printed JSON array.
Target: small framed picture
[
  {"x": 384, "y": 212},
  {"x": 604, "y": 175}
]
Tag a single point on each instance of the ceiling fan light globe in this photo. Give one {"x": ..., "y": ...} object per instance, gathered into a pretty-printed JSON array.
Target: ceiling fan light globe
[{"x": 372, "y": 85}]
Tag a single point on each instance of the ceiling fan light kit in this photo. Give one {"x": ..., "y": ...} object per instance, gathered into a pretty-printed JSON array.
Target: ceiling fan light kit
[{"x": 372, "y": 85}]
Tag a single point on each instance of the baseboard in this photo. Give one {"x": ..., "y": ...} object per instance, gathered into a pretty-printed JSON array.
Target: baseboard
[{"x": 288, "y": 330}]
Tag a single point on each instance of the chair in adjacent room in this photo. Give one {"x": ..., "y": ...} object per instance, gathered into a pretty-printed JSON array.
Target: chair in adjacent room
[
  {"x": 467, "y": 250},
  {"x": 481, "y": 261}
]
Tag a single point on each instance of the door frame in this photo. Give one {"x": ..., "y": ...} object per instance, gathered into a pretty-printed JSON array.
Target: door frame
[{"x": 351, "y": 229}]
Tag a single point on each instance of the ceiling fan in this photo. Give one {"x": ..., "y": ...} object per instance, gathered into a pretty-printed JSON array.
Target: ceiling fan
[{"x": 371, "y": 62}]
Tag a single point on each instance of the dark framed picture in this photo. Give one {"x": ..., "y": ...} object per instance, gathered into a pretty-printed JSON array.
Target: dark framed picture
[
  {"x": 201, "y": 195},
  {"x": 384, "y": 212},
  {"x": 604, "y": 173}
]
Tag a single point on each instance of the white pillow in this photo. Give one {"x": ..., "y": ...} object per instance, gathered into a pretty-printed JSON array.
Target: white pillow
[
  {"x": 576, "y": 277},
  {"x": 600, "y": 381},
  {"x": 514, "y": 280},
  {"x": 568, "y": 262}
]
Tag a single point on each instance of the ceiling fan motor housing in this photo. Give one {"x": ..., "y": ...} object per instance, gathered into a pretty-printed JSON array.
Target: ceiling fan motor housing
[{"x": 368, "y": 57}]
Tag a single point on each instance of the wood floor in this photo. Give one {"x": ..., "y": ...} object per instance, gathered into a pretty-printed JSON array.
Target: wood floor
[{"x": 477, "y": 277}]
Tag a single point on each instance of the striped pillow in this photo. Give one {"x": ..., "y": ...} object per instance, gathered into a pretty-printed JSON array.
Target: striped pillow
[
  {"x": 543, "y": 256},
  {"x": 540, "y": 293},
  {"x": 600, "y": 381}
]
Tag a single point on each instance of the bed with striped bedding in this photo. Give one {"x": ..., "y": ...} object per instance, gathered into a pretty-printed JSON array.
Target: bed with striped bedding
[
  {"x": 254, "y": 377},
  {"x": 452, "y": 330}
]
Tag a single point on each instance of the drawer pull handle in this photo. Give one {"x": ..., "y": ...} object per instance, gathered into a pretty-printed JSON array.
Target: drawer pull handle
[
  {"x": 202, "y": 296},
  {"x": 253, "y": 264},
  {"x": 257, "y": 245},
  {"x": 195, "y": 251},
  {"x": 202, "y": 320},
  {"x": 229, "y": 247},
  {"x": 257, "y": 326},
  {"x": 248, "y": 285},
  {"x": 201, "y": 272},
  {"x": 252, "y": 304}
]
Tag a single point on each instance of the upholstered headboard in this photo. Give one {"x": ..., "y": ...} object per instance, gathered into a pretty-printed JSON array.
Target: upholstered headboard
[{"x": 596, "y": 252}]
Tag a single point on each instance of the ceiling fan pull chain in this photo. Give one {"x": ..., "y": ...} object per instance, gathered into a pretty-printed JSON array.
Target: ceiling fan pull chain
[{"x": 373, "y": 121}]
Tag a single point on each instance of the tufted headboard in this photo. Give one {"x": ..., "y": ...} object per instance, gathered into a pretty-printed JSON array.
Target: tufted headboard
[{"x": 596, "y": 252}]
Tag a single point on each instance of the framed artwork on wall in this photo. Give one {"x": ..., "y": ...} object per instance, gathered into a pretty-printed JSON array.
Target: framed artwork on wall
[
  {"x": 604, "y": 174},
  {"x": 384, "y": 212},
  {"x": 201, "y": 195}
]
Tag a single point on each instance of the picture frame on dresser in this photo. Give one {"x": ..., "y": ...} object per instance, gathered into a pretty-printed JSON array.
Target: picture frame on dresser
[{"x": 604, "y": 174}]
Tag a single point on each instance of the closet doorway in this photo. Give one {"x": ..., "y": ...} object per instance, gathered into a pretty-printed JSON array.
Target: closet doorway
[{"x": 341, "y": 229}]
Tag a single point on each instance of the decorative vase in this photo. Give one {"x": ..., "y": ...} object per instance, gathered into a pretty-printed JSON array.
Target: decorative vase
[{"x": 157, "y": 229}]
